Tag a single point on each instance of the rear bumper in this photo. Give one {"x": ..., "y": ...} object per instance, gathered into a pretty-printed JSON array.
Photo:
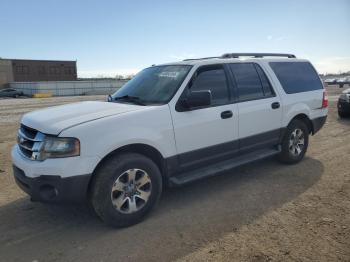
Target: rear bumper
[
  {"x": 53, "y": 189},
  {"x": 318, "y": 123},
  {"x": 343, "y": 106}
]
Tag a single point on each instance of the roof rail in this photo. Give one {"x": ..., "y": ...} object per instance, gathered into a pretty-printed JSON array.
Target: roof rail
[
  {"x": 256, "y": 55},
  {"x": 191, "y": 59},
  {"x": 237, "y": 55}
]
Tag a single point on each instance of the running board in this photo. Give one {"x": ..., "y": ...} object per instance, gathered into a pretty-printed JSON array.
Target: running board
[{"x": 222, "y": 166}]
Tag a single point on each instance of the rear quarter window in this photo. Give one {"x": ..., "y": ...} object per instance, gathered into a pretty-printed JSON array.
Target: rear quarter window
[{"x": 296, "y": 77}]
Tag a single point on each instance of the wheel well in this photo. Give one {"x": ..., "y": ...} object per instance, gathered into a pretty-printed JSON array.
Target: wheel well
[
  {"x": 142, "y": 149},
  {"x": 306, "y": 120}
]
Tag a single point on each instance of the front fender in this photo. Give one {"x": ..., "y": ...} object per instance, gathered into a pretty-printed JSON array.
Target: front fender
[{"x": 151, "y": 126}]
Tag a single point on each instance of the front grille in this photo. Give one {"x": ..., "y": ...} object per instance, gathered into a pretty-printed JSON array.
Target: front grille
[{"x": 30, "y": 142}]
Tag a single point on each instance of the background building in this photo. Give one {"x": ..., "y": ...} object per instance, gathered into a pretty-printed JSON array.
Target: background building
[
  {"x": 6, "y": 75},
  {"x": 20, "y": 70}
]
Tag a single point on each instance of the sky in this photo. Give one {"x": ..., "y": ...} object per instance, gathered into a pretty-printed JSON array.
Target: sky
[{"x": 121, "y": 37}]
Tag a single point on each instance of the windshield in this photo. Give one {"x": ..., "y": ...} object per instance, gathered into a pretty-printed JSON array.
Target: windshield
[{"x": 153, "y": 85}]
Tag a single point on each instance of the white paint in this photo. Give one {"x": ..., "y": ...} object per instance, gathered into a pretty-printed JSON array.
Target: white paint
[{"x": 103, "y": 127}]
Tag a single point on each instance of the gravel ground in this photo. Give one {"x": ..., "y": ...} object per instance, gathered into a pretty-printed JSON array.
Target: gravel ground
[{"x": 265, "y": 211}]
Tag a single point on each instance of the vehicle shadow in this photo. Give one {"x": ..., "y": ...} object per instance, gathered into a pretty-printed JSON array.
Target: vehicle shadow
[
  {"x": 344, "y": 121},
  {"x": 187, "y": 217}
]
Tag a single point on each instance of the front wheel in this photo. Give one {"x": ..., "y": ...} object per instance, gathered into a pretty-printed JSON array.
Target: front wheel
[
  {"x": 125, "y": 189},
  {"x": 295, "y": 142}
]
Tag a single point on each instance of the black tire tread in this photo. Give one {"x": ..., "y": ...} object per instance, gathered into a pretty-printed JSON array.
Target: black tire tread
[
  {"x": 285, "y": 156},
  {"x": 99, "y": 196},
  {"x": 343, "y": 114}
]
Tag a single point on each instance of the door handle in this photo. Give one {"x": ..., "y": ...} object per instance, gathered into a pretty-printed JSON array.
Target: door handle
[
  {"x": 275, "y": 105},
  {"x": 226, "y": 114}
]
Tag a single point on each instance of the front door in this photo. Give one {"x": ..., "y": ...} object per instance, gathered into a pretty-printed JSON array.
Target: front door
[{"x": 206, "y": 135}]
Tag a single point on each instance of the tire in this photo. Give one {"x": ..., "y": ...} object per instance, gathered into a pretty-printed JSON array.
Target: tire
[
  {"x": 342, "y": 114},
  {"x": 120, "y": 202},
  {"x": 293, "y": 150}
]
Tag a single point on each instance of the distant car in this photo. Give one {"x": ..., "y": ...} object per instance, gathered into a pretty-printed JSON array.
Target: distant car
[
  {"x": 9, "y": 92},
  {"x": 343, "y": 81},
  {"x": 344, "y": 103},
  {"x": 338, "y": 81},
  {"x": 330, "y": 81}
]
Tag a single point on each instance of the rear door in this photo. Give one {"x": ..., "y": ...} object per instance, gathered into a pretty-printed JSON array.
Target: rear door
[
  {"x": 303, "y": 87},
  {"x": 259, "y": 107}
]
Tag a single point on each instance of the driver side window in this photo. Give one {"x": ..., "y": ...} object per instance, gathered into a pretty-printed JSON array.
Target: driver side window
[{"x": 212, "y": 78}]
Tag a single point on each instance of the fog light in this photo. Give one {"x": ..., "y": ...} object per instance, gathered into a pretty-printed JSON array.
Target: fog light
[{"x": 48, "y": 192}]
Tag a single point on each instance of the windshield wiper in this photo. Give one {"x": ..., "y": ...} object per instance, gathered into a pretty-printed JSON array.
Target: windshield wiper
[{"x": 132, "y": 99}]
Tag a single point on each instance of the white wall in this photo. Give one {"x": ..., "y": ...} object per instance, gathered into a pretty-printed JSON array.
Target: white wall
[{"x": 69, "y": 88}]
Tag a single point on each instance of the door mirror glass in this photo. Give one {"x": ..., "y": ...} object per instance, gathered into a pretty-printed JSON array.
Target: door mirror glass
[{"x": 196, "y": 99}]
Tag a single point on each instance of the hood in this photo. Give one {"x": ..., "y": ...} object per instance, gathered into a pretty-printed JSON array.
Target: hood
[{"x": 53, "y": 120}]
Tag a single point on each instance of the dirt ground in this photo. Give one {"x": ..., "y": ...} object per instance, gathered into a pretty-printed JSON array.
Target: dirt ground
[{"x": 265, "y": 211}]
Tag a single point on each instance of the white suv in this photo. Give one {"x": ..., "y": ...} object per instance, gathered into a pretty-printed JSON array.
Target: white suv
[{"x": 169, "y": 125}]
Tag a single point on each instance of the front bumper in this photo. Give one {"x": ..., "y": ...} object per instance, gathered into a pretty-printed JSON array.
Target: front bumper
[
  {"x": 63, "y": 167},
  {"x": 53, "y": 188},
  {"x": 53, "y": 180}
]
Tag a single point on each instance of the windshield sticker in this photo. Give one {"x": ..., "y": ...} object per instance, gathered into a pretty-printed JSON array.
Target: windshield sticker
[{"x": 169, "y": 74}]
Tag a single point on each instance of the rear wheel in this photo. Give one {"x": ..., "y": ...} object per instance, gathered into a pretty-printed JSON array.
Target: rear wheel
[
  {"x": 125, "y": 189},
  {"x": 342, "y": 114},
  {"x": 295, "y": 142}
]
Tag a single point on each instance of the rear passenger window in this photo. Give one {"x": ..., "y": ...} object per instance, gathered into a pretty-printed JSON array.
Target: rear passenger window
[
  {"x": 264, "y": 82},
  {"x": 212, "y": 78},
  {"x": 296, "y": 77},
  {"x": 251, "y": 81}
]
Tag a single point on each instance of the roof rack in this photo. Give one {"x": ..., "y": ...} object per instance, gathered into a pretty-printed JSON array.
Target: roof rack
[
  {"x": 256, "y": 55},
  {"x": 191, "y": 59},
  {"x": 237, "y": 55}
]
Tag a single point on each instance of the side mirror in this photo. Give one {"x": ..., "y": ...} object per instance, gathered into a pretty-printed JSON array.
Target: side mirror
[
  {"x": 196, "y": 99},
  {"x": 109, "y": 98}
]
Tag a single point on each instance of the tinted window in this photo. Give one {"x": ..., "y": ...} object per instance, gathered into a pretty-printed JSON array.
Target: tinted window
[
  {"x": 264, "y": 82},
  {"x": 22, "y": 69},
  {"x": 296, "y": 77},
  {"x": 248, "y": 81},
  {"x": 41, "y": 70},
  {"x": 213, "y": 79}
]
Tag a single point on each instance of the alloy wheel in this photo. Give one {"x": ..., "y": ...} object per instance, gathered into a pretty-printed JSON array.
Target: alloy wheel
[
  {"x": 131, "y": 191},
  {"x": 296, "y": 142}
]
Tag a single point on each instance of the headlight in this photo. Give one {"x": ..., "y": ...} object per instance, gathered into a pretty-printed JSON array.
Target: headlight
[{"x": 54, "y": 147}]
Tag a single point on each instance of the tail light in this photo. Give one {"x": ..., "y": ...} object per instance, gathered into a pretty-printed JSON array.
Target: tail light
[{"x": 325, "y": 99}]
